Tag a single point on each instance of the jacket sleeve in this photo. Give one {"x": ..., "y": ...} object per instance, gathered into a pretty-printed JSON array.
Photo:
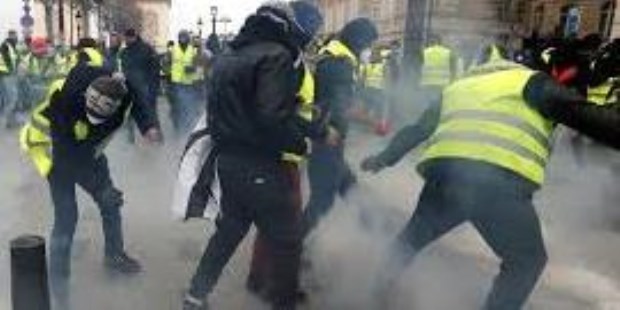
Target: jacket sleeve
[
  {"x": 564, "y": 106},
  {"x": 335, "y": 91},
  {"x": 276, "y": 101},
  {"x": 411, "y": 136}
]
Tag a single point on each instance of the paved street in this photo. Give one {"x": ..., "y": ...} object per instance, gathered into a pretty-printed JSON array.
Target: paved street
[{"x": 455, "y": 274}]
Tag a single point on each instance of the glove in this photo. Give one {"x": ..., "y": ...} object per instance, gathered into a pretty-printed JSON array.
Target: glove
[{"x": 372, "y": 164}]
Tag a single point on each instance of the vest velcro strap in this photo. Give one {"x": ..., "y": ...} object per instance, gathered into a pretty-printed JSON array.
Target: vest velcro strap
[
  {"x": 478, "y": 137},
  {"x": 502, "y": 118}
]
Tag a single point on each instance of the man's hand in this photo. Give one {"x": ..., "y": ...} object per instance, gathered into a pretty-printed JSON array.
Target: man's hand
[
  {"x": 333, "y": 138},
  {"x": 154, "y": 136},
  {"x": 372, "y": 164}
]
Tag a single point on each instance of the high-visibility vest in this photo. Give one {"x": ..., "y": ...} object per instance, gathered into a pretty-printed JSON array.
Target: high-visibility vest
[
  {"x": 95, "y": 58},
  {"x": 496, "y": 54},
  {"x": 35, "y": 137},
  {"x": 31, "y": 65},
  {"x": 4, "y": 67},
  {"x": 485, "y": 118},
  {"x": 180, "y": 60},
  {"x": 61, "y": 65},
  {"x": 305, "y": 96},
  {"x": 601, "y": 94},
  {"x": 436, "y": 70},
  {"x": 338, "y": 49},
  {"x": 374, "y": 74}
]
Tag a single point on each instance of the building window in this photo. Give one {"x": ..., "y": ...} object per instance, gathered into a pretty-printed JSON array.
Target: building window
[
  {"x": 539, "y": 17},
  {"x": 570, "y": 20},
  {"x": 606, "y": 18}
]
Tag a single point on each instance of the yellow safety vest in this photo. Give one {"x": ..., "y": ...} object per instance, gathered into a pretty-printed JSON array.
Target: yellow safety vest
[
  {"x": 338, "y": 49},
  {"x": 4, "y": 67},
  {"x": 485, "y": 118},
  {"x": 306, "y": 110},
  {"x": 436, "y": 70},
  {"x": 34, "y": 137},
  {"x": 180, "y": 60},
  {"x": 496, "y": 54},
  {"x": 374, "y": 74},
  {"x": 601, "y": 95},
  {"x": 31, "y": 64},
  {"x": 95, "y": 58}
]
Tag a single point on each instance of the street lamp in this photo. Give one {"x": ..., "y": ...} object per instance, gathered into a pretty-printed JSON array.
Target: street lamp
[
  {"x": 214, "y": 10},
  {"x": 200, "y": 23},
  {"x": 78, "y": 18}
]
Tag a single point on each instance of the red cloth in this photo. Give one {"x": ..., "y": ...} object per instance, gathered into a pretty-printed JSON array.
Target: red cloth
[{"x": 260, "y": 267}]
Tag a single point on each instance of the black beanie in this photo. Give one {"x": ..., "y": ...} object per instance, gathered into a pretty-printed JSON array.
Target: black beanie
[{"x": 359, "y": 34}]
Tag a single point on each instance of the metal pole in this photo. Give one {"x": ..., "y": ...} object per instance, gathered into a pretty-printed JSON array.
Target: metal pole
[
  {"x": 61, "y": 20},
  {"x": 414, "y": 40},
  {"x": 71, "y": 17},
  {"x": 29, "y": 288}
]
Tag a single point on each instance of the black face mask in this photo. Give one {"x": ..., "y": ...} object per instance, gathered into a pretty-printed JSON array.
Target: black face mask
[{"x": 13, "y": 41}]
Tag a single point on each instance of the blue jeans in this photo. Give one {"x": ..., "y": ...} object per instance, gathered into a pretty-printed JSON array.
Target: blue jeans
[
  {"x": 499, "y": 205},
  {"x": 185, "y": 108},
  {"x": 329, "y": 175},
  {"x": 94, "y": 178},
  {"x": 9, "y": 92}
]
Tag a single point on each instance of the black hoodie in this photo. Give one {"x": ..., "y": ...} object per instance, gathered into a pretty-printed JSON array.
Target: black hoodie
[{"x": 252, "y": 100}]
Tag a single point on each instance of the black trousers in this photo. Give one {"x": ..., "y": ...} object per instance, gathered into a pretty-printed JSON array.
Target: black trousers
[
  {"x": 499, "y": 205},
  {"x": 329, "y": 175},
  {"x": 254, "y": 191},
  {"x": 94, "y": 178}
]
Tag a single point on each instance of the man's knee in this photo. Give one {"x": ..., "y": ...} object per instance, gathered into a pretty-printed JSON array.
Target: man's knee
[
  {"x": 110, "y": 200},
  {"x": 531, "y": 262}
]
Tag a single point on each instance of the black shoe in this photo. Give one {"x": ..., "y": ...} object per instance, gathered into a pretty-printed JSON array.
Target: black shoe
[
  {"x": 193, "y": 303},
  {"x": 122, "y": 263},
  {"x": 258, "y": 289}
]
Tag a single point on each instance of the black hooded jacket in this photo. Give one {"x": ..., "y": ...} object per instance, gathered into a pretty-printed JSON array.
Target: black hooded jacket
[
  {"x": 252, "y": 100},
  {"x": 335, "y": 76},
  {"x": 68, "y": 106}
]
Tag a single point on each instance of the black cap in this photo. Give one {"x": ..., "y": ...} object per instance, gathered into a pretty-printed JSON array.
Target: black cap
[{"x": 359, "y": 34}]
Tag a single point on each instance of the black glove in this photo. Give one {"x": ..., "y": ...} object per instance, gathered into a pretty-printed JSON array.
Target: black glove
[{"x": 372, "y": 164}]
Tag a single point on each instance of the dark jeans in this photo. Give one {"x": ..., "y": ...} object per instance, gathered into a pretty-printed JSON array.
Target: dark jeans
[
  {"x": 95, "y": 180},
  {"x": 499, "y": 205},
  {"x": 254, "y": 191},
  {"x": 329, "y": 175},
  {"x": 261, "y": 266},
  {"x": 185, "y": 108}
]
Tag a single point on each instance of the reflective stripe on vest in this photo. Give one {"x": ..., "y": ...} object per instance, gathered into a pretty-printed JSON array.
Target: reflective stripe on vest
[
  {"x": 485, "y": 118},
  {"x": 181, "y": 59},
  {"x": 306, "y": 109},
  {"x": 436, "y": 70}
]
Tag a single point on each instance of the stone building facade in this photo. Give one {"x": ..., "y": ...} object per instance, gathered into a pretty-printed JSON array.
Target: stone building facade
[
  {"x": 150, "y": 17},
  {"x": 462, "y": 19}
]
